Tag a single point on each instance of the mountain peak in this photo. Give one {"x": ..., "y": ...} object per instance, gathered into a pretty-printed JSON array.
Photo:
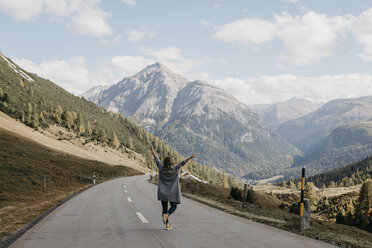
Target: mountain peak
[{"x": 155, "y": 68}]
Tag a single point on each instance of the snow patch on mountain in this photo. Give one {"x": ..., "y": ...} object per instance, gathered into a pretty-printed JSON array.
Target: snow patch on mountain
[{"x": 15, "y": 69}]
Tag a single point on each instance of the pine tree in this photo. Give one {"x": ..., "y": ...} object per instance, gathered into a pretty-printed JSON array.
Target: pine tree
[
  {"x": 89, "y": 129},
  {"x": 283, "y": 184},
  {"x": 115, "y": 140},
  {"x": 29, "y": 108},
  {"x": 42, "y": 118},
  {"x": 364, "y": 204},
  {"x": 130, "y": 144},
  {"x": 310, "y": 194}
]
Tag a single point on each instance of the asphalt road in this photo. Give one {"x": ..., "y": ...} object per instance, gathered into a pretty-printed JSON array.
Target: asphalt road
[{"x": 125, "y": 213}]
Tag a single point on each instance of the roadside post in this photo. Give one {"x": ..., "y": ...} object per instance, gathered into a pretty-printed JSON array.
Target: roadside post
[
  {"x": 94, "y": 177},
  {"x": 244, "y": 194},
  {"x": 304, "y": 206},
  {"x": 44, "y": 182}
]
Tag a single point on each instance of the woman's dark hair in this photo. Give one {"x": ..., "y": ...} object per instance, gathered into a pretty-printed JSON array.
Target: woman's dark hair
[{"x": 167, "y": 163}]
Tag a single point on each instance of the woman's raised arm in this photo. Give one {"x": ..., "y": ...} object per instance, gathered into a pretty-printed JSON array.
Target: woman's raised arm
[
  {"x": 191, "y": 157},
  {"x": 152, "y": 150}
]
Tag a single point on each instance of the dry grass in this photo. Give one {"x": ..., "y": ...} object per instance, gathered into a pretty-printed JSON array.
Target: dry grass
[
  {"x": 22, "y": 166},
  {"x": 266, "y": 210}
]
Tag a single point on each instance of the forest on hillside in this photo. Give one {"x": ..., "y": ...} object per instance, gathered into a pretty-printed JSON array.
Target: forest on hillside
[{"x": 38, "y": 103}]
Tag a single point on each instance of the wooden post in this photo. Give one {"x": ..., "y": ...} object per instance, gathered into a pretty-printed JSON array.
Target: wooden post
[
  {"x": 302, "y": 197},
  {"x": 44, "y": 182},
  {"x": 197, "y": 188},
  {"x": 244, "y": 193}
]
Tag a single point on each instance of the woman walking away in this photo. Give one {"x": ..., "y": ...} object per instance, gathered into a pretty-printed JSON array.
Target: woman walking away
[{"x": 169, "y": 185}]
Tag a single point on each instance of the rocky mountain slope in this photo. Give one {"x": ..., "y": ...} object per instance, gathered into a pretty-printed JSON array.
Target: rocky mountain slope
[
  {"x": 278, "y": 113},
  {"x": 346, "y": 144},
  {"x": 195, "y": 117},
  {"x": 307, "y": 131}
]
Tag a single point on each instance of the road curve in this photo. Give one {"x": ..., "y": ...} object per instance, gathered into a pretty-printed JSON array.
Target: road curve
[{"x": 125, "y": 213}]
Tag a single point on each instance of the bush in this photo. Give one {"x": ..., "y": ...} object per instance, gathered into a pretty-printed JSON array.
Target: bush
[
  {"x": 251, "y": 196},
  {"x": 295, "y": 208},
  {"x": 236, "y": 194}
]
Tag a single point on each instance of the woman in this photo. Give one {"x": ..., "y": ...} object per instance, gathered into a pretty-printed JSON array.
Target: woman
[{"x": 169, "y": 185}]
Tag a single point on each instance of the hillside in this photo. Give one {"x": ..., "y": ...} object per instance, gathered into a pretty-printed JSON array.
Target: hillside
[
  {"x": 23, "y": 165},
  {"x": 40, "y": 104},
  {"x": 195, "y": 117},
  {"x": 278, "y": 113},
  {"x": 346, "y": 144},
  {"x": 349, "y": 175},
  {"x": 307, "y": 131}
]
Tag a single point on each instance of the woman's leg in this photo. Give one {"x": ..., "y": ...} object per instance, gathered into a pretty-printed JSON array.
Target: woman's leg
[
  {"x": 164, "y": 204},
  {"x": 172, "y": 208}
]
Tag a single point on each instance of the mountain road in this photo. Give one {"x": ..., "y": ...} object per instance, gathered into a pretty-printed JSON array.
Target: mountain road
[{"x": 125, "y": 212}]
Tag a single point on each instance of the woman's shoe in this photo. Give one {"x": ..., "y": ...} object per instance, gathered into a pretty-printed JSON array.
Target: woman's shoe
[
  {"x": 168, "y": 226},
  {"x": 165, "y": 218}
]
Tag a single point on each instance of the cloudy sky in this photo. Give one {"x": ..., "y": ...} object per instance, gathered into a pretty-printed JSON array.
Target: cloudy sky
[{"x": 259, "y": 51}]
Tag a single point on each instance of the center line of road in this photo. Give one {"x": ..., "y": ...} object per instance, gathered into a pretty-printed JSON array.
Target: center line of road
[
  {"x": 126, "y": 191},
  {"x": 140, "y": 216},
  {"x": 129, "y": 199}
]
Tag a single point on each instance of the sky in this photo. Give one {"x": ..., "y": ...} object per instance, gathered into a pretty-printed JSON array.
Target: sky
[{"x": 260, "y": 51}]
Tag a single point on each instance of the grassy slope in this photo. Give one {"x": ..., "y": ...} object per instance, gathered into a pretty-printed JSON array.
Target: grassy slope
[
  {"x": 22, "y": 166},
  {"x": 266, "y": 210}
]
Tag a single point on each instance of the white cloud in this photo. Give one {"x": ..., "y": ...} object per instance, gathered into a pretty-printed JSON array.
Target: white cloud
[
  {"x": 75, "y": 76},
  {"x": 269, "y": 89},
  {"x": 307, "y": 38},
  {"x": 293, "y": 1},
  {"x": 362, "y": 29},
  {"x": 91, "y": 22},
  {"x": 172, "y": 57},
  {"x": 22, "y": 10},
  {"x": 129, "y": 2},
  {"x": 247, "y": 31},
  {"x": 137, "y": 35},
  {"x": 113, "y": 41},
  {"x": 83, "y": 16},
  {"x": 127, "y": 65}
]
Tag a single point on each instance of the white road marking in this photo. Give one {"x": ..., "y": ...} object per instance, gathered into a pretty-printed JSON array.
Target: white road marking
[
  {"x": 140, "y": 216},
  {"x": 126, "y": 191},
  {"x": 129, "y": 199},
  {"x": 125, "y": 186}
]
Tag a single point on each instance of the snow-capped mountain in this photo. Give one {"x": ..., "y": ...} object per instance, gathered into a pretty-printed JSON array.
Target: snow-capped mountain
[
  {"x": 93, "y": 93},
  {"x": 278, "y": 113},
  {"x": 195, "y": 117}
]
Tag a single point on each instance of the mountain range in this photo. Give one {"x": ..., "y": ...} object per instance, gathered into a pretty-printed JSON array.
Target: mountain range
[
  {"x": 306, "y": 132},
  {"x": 281, "y": 112},
  {"x": 196, "y": 117}
]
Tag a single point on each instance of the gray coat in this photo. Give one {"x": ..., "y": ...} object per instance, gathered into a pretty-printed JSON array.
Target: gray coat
[{"x": 169, "y": 183}]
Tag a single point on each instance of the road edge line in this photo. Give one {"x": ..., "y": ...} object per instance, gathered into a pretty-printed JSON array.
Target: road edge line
[{"x": 9, "y": 240}]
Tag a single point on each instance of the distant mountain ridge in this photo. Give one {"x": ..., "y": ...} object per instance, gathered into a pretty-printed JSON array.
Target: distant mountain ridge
[
  {"x": 278, "y": 113},
  {"x": 195, "y": 117},
  {"x": 307, "y": 131}
]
